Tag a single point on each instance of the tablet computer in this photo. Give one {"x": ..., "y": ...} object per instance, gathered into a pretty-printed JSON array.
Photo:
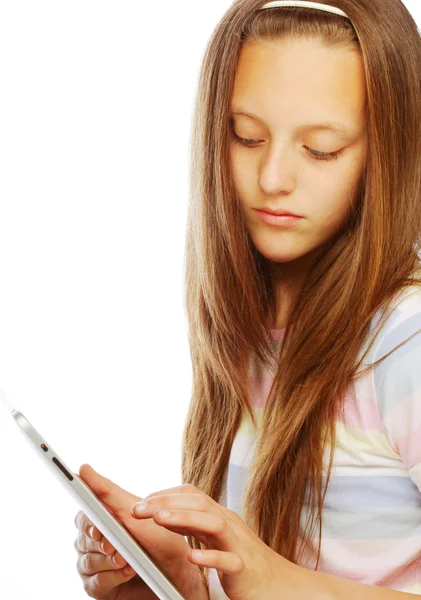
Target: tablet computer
[{"x": 92, "y": 506}]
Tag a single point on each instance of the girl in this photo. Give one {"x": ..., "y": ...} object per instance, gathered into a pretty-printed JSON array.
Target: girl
[{"x": 302, "y": 455}]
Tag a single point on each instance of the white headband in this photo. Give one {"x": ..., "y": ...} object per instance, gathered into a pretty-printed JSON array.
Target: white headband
[{"x": 305, "y": 4}]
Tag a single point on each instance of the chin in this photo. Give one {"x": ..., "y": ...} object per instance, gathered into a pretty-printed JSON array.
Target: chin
[{"x": 277, "y": 256}]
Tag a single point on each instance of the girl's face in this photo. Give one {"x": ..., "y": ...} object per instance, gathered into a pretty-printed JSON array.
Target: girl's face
[{"x": 289, "y": 86}]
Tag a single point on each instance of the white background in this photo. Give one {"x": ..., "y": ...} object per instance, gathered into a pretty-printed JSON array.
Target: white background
[{"x": 95, "y": 118}]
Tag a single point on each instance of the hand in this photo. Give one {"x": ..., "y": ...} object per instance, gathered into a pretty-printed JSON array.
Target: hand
[
  {"x": 247, "y": 568},
  {"x": 167, "y": 549},
  {"x": 105, "y": 573}
]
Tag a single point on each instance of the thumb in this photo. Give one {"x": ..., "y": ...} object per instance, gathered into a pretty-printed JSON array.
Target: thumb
[{"x": 116, "y": 498}]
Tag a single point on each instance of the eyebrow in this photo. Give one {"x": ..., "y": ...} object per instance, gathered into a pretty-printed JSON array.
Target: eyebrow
[{"x": 327, "y": 126}]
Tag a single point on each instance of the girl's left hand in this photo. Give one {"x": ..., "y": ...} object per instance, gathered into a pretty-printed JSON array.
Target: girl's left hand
[{"x": 247, "y": 568}]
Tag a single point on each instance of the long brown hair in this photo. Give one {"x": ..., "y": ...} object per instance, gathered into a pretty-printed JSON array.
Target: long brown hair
[{"x": 228, "y": 289}]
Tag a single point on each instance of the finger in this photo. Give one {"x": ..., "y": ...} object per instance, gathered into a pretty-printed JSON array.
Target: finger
[
  {"x": 78, "y": 518},
  {"x": 192, "y": 501},
  {"x": 200, "y": 502},
  {"x": 116, "y": 498},
  {"x": 93, "y": 562},
  {"x": 85, "y": 544},
  {"x": 83, "y": 523},
  {"x": 86, "y": 526},
  {"x": 103, "y": 583},
  {"x": 228, "y": 563},
  {"x": 185, "y": 488},
  {"x": 94, "y": 533},
  {"x": 195, "y": 523}
]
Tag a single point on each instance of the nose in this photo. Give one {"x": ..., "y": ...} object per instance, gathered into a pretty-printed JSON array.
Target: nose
[{"x": 277, "y": 171}]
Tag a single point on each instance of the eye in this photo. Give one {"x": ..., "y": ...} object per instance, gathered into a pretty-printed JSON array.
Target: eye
[{"x": 315, "y": 153}]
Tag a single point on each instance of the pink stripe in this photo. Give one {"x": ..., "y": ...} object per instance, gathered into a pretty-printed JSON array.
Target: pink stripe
[
  {"x": 399, "y": 579},
  {"x": 362, "y": 412},
  {"x": 409, "y": 447},
  {"x": 259, "y": 390},
  {"x": 278, "y": 334},
  {"x": 367, "y": 561}
]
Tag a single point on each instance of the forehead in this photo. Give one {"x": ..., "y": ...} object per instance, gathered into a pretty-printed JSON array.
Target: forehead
[
  {"x": 327, "y": 126},
  {"x": 300, "y": 83}
]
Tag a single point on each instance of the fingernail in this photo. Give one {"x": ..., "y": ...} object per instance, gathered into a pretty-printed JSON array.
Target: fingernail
[{"x": 140, "y": 506}]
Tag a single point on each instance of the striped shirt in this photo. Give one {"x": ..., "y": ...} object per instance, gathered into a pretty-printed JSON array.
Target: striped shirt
[{"x": 372, "y": 510}]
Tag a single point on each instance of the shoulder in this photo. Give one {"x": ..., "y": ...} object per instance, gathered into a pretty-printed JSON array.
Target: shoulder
[
  {"x": 401, "y": 323},
  {"x": 397, "y": 376}
]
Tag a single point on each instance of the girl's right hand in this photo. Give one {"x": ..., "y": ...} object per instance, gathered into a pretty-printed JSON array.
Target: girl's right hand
[{"x": 104, "y": 581}]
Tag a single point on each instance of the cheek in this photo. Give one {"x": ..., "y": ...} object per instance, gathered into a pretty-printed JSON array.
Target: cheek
[
  {"x": 335, "y": 203},
  {"x": 332, "y": 215},
  {"x": 243, "y": 174}
]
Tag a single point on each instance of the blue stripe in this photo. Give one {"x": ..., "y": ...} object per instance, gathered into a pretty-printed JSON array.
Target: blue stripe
[
  {"x": 362, "y": 524},
  {"x": 399, "y": 375},
  {"x": 355, "y": 507},
  {"x": 343, "y": 492}
]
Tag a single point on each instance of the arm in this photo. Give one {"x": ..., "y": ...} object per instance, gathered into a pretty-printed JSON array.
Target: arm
[{"x": 322, "y": 586}]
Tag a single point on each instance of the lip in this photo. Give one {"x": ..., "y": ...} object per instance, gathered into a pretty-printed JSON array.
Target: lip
[
  {"x": 277, "y": 213},
  {"x": 277, "y": 220}
]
